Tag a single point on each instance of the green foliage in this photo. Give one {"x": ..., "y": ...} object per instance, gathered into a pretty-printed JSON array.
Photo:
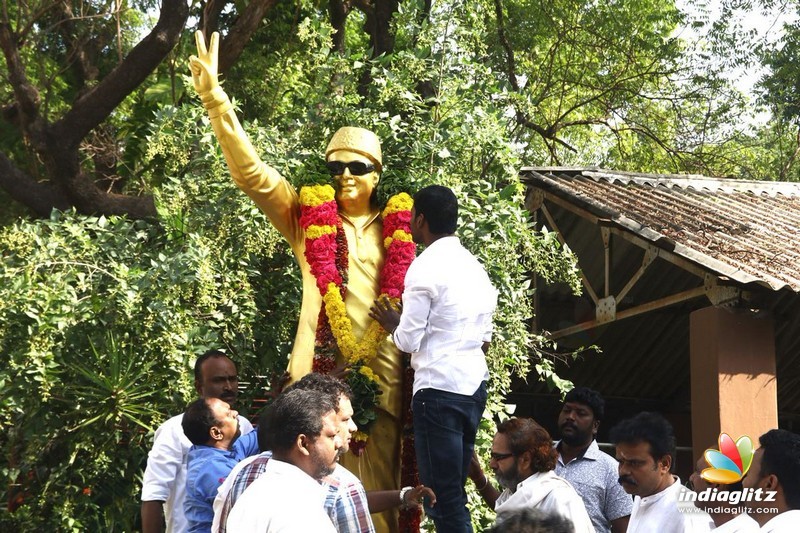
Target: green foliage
[{"x": 100, "y": 320}]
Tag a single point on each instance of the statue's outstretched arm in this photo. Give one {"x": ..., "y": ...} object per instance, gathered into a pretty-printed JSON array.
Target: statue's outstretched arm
[{"x": 273, "y": 194}]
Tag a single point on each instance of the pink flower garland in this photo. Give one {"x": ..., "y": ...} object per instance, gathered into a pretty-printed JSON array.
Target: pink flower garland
[{"x": 326, "y": 253}]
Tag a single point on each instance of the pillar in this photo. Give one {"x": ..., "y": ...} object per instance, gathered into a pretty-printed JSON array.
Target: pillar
[{"x": 734, "y": 389}]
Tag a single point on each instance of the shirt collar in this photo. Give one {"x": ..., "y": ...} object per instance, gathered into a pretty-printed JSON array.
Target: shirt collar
[
  {"x": 675, "y": 487},
  {"x": 591, "y": 453},
  {"x": 785, "y": 521},
  {"x": 537, "y": 477},
  {"x": 443, "y": 242},
  {"x": 210, "y": 450}
]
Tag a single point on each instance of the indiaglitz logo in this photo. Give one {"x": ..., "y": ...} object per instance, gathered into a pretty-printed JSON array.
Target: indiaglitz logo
[{"x": 731, "y": 462}]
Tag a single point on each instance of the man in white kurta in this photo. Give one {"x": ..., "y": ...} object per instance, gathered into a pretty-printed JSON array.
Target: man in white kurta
[
  {"x": 289, "y": 500},
  {"x": 549, "y": 493},
  {"x": 645, "y": 448},
  {"x": 775, "y": 474},
  {"x": 523, "y": 460},
  {"x": 668, "y": 511},
  {"x": 301, "y": 428},
  {"x": 164, "y": 481}
]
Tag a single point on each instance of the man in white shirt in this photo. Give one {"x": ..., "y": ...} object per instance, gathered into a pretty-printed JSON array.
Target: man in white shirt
[
  {"x": 446, "y": 325},
  {"x": 164, "y": 482},
  {"x": 523, "y": 461},
  {"x": 346, "y": 503},
  {"x": 728, "y": 517},
  {"x": 775, "y": 475},
  {"x": 302, "y": 430},
  {"x": 346, "y": 500},
  {"x": 645, "y": 447}
]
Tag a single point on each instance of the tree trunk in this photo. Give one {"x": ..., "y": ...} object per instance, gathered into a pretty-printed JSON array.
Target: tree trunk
[{"x": 57, "y": 143}]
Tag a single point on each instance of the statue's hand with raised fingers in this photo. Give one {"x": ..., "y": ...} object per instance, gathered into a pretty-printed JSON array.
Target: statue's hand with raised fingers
[{"x": 204, "y": 64}]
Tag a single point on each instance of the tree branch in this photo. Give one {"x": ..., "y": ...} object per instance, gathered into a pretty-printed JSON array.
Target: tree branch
[
  {"x": 26, "y": 95},
  {"x": 209, "y": 17},
  {"x": 96, "y": 105},
  {"x": 337, "y": 15},
  {"x": 511, "y": 68},
  {"x": 40, "y": 197},
  {"x": 246, "y": 24}
]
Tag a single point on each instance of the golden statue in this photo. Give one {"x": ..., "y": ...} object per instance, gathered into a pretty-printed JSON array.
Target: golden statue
[{"x": 354, "y": 157}]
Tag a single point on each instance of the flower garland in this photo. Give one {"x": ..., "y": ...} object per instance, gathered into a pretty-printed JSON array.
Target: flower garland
[
  {"x": 410, "y": 518},
  {"x": 326, "y": 253}
]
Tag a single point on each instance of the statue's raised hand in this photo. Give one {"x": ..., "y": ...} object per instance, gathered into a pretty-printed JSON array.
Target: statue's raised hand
[{"x": 204, "y": 64}]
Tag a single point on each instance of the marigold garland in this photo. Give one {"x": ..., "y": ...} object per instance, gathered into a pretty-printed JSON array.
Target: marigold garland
[{"x": 326, "y": 253}]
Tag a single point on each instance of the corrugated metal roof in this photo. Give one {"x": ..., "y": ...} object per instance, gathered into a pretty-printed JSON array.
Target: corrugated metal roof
[
  {"x": 748, "y": 231},
  {"x": 745, "y": 233}
]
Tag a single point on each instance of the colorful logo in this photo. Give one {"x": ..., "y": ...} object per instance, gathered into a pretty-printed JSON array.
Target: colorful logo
[{"x": 731, "y": 462}]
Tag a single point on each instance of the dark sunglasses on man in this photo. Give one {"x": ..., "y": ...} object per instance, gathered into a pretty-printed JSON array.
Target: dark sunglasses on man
[{"x": 357, "y": 168}]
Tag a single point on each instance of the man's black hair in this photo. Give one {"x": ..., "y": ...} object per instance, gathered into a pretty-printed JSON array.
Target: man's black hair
[
  {"x": 198, "y": 365},
  {"x": 590, "y": 398},
  {"x": 651, "y": 428},
  {"x": 197, "y": 421},
  {"x": 323, "y": 383},
  {"x": 293, "y": 413},
  {"x": 439, "y": 206},
  {"x": 314, "y": 381},
  {"x": 261, "y": 429},
  {"x": 781, "y": 457}
]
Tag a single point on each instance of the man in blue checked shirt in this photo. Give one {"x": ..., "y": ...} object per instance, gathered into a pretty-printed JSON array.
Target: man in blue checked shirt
[{"x": 213, "y": 428}]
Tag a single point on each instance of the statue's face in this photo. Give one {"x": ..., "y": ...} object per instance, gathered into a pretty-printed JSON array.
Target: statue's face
[{"x": 351, "y": 186}]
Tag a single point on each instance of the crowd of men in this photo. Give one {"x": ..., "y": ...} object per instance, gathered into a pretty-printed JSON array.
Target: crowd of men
[{"x": 214, "y": 473}]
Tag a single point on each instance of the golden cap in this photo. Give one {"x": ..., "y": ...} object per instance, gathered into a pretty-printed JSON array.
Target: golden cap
[{"x": 359, "y": 141}]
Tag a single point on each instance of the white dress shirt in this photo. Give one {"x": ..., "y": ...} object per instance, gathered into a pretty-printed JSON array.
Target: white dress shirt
[
  {"x": 165, "y": 476},
  {"x": 448, "y": 304},
  {"x": 283, "y": 500},
  {"x": 549, "y": 493},
  {"x": 741, "y": 524},
  {"x": 787, "y": 522},
  {"x": 665, "y": 512},
  {"x": 225, "y": 488}
]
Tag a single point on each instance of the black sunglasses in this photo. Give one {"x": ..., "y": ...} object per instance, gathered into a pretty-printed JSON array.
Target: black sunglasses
[
  {"x": 357, "y": 168},
  {"x": 500, "y": 456}
]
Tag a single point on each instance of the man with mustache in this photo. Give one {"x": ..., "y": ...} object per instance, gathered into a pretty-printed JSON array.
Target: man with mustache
[
  {"x": 523, "y": 461},
  {"x": 645, "y": 446},
  {"x": 346, "y": 502},
  {"x": 213, "y": 428},
  {"x": 592, "y": 472},
  {"x": 164, "y": 481},
  {"x": 302, "y": 430}
]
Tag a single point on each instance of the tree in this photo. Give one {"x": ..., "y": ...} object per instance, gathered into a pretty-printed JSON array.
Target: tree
[{"x": 54, "y": 107}]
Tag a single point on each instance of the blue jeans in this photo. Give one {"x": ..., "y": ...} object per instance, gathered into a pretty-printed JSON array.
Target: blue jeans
[{"x": 445, "y": 424}]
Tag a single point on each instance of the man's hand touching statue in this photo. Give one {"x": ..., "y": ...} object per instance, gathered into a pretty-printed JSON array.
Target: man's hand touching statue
[{"x": 386, "y": 314}]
